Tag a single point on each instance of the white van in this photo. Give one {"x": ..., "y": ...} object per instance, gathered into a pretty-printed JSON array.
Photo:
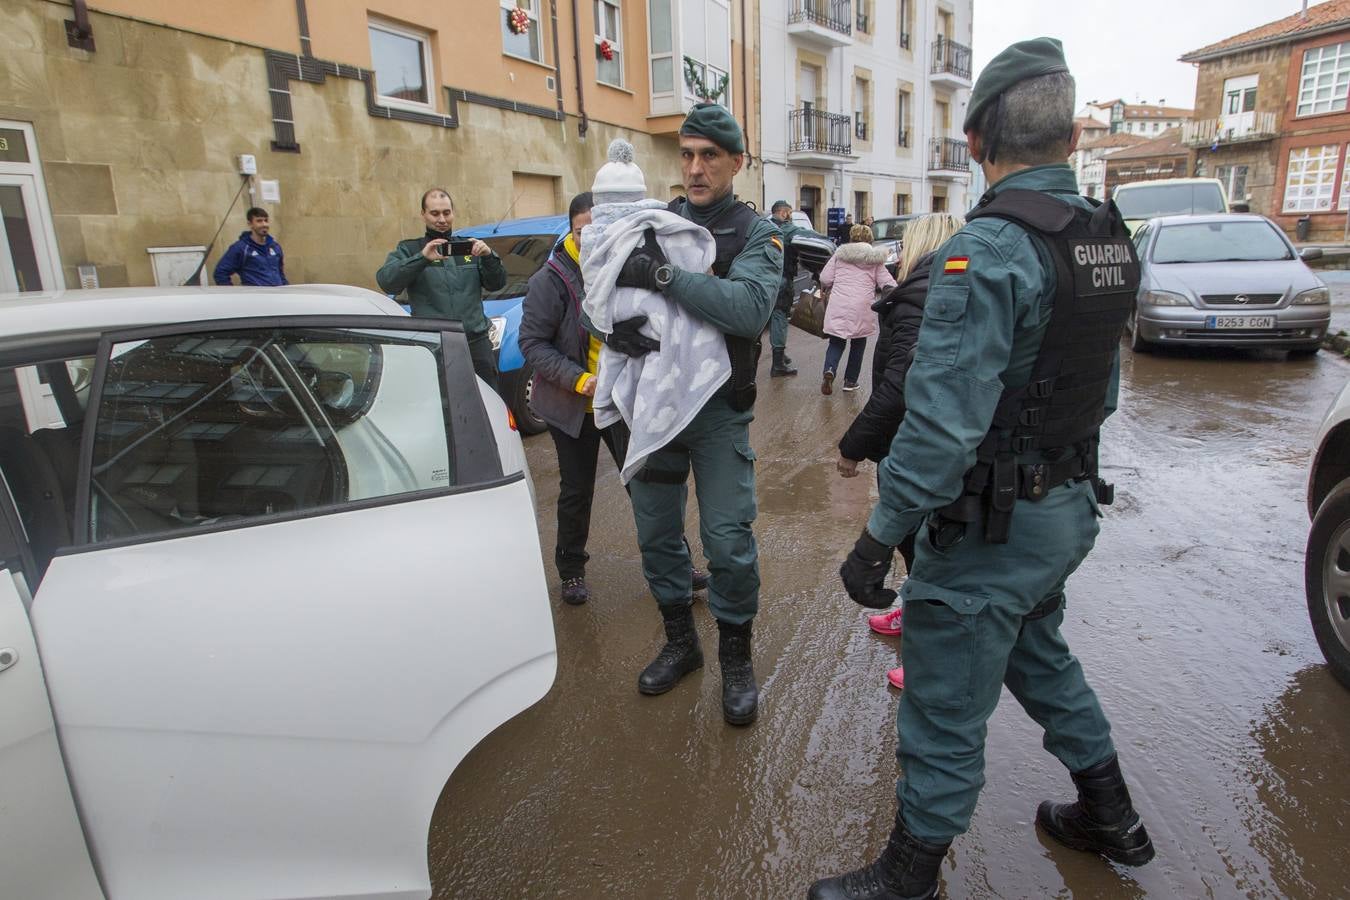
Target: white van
[{"x": 1140, "y": 201}]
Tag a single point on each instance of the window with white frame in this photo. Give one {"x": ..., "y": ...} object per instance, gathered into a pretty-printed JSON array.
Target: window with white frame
[
  {"x": 521, "y": 34},
  {"x": 608, "y": 42},
  {"x": 862, "y": 91},
  {"x": 1234, "y": 180},
  {"x": 902, "y": 136},
  {"x": 1310, "y": 179},
  {"x": 401, "y": 59},
  {"x": 1325, "y": 80},
  {"x": 705, "y": 31}
]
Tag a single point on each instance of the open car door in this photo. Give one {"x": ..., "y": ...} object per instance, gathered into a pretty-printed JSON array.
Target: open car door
[
  {"x": 42, "y": 848},
  {"x": 302, "y": 589}
]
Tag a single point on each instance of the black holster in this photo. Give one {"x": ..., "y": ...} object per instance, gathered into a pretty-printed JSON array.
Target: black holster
[{"x": 744, "y": 354}]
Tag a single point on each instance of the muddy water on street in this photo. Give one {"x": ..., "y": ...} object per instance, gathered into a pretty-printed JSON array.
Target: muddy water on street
[{"x": 1189, "y": 618}]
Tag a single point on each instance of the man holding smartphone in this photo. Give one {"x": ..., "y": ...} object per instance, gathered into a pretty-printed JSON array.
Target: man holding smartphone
[{"x": 445, "y": 277}]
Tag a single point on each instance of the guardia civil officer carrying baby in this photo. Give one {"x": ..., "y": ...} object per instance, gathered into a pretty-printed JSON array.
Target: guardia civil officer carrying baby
[
  {"x": 995, "y": 465},
  {"x": 736, "y": 299}
]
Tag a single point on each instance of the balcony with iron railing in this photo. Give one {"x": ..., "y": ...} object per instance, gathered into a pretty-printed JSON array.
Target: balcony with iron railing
[
  {"x": 827, "y": 23},
  {"x": 816, "y": 136},
  {"x": 951, "y": 63},
  {"x": 948, "y": 158},
  {"x": 1239, "y": 128}
]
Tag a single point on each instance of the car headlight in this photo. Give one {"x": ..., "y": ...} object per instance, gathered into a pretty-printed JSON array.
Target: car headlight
[
  {"x": 1162, "y": 298},
  {"x": 1318, "y": 295},
  {"x": 498, "y": 329}
]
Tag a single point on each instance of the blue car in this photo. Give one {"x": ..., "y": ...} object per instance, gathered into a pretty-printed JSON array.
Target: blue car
[{"x": 523, "y": 245}]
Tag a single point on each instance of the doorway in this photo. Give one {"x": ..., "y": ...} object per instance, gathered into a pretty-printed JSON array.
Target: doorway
[{"x": 28, "y": 257}]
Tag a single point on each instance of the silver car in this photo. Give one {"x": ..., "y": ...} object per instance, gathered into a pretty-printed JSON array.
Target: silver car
[{"x": 1226, "y": 280}]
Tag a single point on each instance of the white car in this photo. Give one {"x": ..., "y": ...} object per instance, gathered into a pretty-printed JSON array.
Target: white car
[
  {"x": 270, "y": 572},
  {"x": 1326, "y": 565}
]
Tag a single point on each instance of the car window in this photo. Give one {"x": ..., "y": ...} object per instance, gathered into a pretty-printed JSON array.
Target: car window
[
  {"x": 1140, "y": 237},
  {"x": 522, "y": 255},
  {"x": 207, "y": 428},
  {"x": 1219, "y": 242},
  {"x": 1147, "y": 201},
  {"x": 889, "y": 229}
]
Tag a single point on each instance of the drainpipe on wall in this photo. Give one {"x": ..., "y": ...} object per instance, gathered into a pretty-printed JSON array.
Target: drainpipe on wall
[
  {"x": 557, "y": 64},
  {"x": 302, "y": 18},
  {"x": 79, "y": 33},
  {"x": 585, "y": 122},
  {"x": 745, "y": 89}
]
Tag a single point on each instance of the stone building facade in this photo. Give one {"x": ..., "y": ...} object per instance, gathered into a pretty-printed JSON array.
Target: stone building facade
[
  {"x": 1162, "y": 157},
  {"x": 131, "y": 143}
]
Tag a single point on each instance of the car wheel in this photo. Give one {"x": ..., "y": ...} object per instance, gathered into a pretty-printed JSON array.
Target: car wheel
[
  {"x": 1326, "y": 572},
  {"x": 1137, "y": 343},
  {"x": 1305, "y": 351},
  {"x": 521, "y": 385}
]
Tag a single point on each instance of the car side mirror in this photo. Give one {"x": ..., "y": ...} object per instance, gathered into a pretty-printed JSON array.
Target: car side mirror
[{"x": 1310, "y": 253}]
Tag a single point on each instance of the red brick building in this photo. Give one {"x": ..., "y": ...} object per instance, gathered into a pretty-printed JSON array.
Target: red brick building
[
  {"x": 1272, "y": 121},
  {"x": 1163, "y": 157}
]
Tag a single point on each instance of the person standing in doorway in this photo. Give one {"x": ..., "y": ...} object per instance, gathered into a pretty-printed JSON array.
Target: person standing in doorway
[{"x": 256, "y": 258}]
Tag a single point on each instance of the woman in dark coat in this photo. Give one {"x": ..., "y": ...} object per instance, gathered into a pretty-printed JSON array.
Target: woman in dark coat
[
  {"x": 873, "y": 430},
  {"x": 565, "y": 356}
]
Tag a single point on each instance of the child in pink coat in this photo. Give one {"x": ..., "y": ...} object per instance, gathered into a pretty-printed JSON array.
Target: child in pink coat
[{"x": 854, "y": 275}]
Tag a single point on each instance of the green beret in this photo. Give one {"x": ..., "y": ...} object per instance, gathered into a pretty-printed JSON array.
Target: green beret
[
  {"x": 1023, "y": 60},
  {"x": 779, "y": 204},
  {"x": 714, "y": 122}
]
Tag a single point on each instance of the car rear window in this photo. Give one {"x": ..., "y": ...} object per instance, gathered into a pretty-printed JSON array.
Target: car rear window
[
  {"x": 1148, "y": 201},
  {"x": 522, "y": 255},
  {"x": 1220, "y": 242},
  {"x": 889, "y": 229}
]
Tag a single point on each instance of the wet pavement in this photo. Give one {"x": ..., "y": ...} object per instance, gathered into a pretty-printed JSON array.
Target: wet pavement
[{"x": 1189, "y": 618}]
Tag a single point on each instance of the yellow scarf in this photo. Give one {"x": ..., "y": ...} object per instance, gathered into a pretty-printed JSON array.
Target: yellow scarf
[{"x": 570, "y": 245}]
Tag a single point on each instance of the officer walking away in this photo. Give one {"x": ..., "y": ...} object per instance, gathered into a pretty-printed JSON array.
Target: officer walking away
[
  {"x": 736, "y": 299},
  {"x": 781, "y": 213},
  {"x": 447, "y": 286},
  {"x": 1032, "y": 293},
  {"x": 256, "y": 257}
]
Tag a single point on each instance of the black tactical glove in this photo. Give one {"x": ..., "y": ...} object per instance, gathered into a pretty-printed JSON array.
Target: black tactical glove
[
  {"x": 627, "y": 339},
  {"x": 639, "y": 270},
  {"x": 864, "y": 573}
]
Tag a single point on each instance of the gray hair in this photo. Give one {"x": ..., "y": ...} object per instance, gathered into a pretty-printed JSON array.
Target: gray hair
[{"x": 1032, "y": 123}]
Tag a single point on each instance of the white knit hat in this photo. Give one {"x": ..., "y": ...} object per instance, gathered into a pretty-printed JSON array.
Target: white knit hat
[{"x": 619, "y": 180}]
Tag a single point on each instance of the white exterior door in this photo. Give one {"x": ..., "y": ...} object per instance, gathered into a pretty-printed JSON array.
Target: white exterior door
[
  {"x": 42, "y": 849},
  {"x": 302, "y": 591},
  {"x": 1239, "y": 105}
]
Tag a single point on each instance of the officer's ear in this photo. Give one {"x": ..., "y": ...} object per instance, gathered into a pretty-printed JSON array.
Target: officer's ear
[
  {"x": 976, "y": 144},
  {"x": 1074, "y": 136},
  {"x": 740, "y": 161}
]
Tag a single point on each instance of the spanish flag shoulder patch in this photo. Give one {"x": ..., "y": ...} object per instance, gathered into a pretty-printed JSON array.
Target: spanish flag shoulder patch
[
  {"x": 957, "y": 264},
  {"x": 776, "y": 242}
]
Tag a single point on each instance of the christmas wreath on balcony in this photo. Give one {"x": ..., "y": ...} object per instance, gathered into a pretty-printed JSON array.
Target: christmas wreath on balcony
[
  {"x": 519, "y": 20},
  {"x": 693, "y": 79},
  {"x": 606, "y": 50}
]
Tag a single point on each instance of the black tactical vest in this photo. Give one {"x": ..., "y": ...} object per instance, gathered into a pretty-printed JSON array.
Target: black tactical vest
[
  {"x": 1060, "y": 409},
  {"x": 731, "y": 231}
]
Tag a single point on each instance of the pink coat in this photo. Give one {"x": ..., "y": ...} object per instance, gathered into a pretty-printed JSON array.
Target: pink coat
[{"x": 854, "y": 275}]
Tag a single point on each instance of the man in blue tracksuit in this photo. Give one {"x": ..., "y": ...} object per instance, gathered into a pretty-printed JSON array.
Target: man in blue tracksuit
[{"x": 256, "y": 257}]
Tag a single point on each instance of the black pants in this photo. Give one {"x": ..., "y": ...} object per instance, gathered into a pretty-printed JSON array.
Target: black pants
[
  {"x": 577, "y": 458},
  {"x": 484, "y": 359}
]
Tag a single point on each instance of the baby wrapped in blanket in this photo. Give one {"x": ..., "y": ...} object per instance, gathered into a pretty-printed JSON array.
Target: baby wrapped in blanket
[{"x": 658, "y": 393}]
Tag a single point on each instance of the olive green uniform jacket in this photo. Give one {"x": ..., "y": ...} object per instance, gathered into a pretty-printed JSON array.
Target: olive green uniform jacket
[{"x": 450, "y": 288}]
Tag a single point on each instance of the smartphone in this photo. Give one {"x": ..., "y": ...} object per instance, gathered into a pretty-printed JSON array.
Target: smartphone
[{"x": 457, "y": 248}]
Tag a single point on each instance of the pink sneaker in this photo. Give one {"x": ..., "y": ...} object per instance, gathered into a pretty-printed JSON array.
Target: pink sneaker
[
  {"x": 887, "y": 623},
  {"x": 896, "y": 677}
]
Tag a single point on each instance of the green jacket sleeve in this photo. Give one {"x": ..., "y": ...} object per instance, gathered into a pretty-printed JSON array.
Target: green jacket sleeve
[
  {"x": 739, "y": 304},
  {"x": 491, "y": 272},
  {"x": 954, "y": 385},
  {"x": 400, "y": 269}
]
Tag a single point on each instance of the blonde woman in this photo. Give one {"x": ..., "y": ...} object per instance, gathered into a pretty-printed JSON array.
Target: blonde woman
[
  {"x": 901, "y": 312},
  {"x": 854, "y": 275}
]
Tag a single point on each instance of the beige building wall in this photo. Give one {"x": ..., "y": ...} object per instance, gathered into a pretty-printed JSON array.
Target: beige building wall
[{"x": 139, "y": 139}]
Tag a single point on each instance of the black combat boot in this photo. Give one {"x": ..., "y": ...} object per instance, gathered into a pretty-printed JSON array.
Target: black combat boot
[
  {"x": 907, "y": 870},
  {"x": 680, "y": 656},
  {"x": 1102, "y": 820},
  {"x": 740, "y": 694},
  {"x": 781, "y": 364}
]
